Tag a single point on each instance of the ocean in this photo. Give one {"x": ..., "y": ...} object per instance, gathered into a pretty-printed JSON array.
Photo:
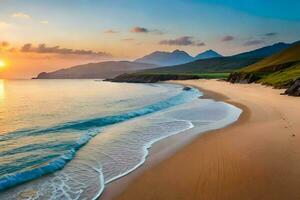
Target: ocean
[{"x": 66, "y": 139}]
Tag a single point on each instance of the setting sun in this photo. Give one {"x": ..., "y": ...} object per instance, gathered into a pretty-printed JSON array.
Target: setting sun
[{"x": 2, "y": 64}]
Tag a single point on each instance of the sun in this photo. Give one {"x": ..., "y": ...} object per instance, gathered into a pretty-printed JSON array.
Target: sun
[{"x": 2, "y": 64}]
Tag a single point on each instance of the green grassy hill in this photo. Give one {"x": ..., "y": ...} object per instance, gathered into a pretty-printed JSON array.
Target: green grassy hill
[
  {"x": 212, "y": 65},
  {"x": 282, "y": 78},
  {"x": 278, "y": 61},
  {"x": 278, "y": 70}
]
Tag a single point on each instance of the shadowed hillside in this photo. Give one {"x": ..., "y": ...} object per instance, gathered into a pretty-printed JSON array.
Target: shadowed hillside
[{"x": 96, "y": 70}]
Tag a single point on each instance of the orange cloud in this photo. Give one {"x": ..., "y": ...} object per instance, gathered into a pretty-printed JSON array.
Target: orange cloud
[
  {"x": 43, "y": 49},
  {"x": 21, "y": 15},
  {"x": 111, "y": 31}
]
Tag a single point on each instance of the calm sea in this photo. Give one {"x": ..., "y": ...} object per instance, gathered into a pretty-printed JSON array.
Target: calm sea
[{"x": 65, "y": 139}]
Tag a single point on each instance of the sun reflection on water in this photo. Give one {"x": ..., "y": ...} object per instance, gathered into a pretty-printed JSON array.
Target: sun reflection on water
[{"x": 2, "y": 91}]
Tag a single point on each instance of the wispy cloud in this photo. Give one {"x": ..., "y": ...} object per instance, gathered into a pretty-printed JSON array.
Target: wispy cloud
[
  {"x": 21, "y": 15},
  {"x": 227, "y": 38},
  {"x": 4, "y": 24},
  {"x": 111, "y": 31},
  {"x": 44, "y": 49},
  {"x": 6, "y": 47},
  {"x": 127, "y": 39},
  {"x": 44, "y": 22},
  {"x": 182, "y": 41},
  {"x": 4, "y": 44},
  {"x": 271, "y": 34},
  {"x": 139, "y": 29},
  {"x": 254, "y": 42}
]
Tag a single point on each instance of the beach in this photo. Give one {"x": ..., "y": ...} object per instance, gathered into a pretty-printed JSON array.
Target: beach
[{"x": 257, "y": 157}]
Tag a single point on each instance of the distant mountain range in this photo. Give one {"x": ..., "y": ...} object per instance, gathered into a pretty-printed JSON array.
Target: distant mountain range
[
  {"x": 178, "y": 57},
  {"x": 222, "y": 64},
  {"x": 175, "y": 58},
  {"x": 96, "y": 70},
  {"x": 203, "y": 68},
  {"x": 206, "y": 62}
]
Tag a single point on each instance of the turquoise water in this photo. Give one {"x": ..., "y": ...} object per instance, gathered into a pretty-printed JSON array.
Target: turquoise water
[{"x": 65, "y": 139}]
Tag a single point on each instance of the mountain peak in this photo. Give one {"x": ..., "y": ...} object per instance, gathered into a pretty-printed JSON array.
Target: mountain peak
[
  {"x": 208, "y": 54},
  {"x": 166, "y": 58},
  {"x": 210, "y": 51},
  {"x": 178, "y": 51}
]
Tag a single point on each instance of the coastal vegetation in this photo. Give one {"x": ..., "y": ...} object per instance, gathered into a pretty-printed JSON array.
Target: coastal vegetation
[{"x": 279, "y": 70}]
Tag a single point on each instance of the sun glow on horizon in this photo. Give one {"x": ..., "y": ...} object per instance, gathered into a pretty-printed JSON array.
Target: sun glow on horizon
[{"x": 2, "y": 64}]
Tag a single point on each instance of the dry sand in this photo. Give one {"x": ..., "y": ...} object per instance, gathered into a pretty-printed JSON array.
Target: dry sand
[{"x": 258, "y": 157}]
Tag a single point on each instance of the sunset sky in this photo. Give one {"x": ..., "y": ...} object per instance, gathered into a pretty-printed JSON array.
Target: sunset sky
[{"x": 46, "y": 35}]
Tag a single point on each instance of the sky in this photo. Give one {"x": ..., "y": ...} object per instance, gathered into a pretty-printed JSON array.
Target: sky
[{"x": 46, "y": 35}]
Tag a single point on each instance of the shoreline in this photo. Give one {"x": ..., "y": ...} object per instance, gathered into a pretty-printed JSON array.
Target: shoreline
[
  {"x": 167, "y": 147},
  {"x": 257, "y": 157}
]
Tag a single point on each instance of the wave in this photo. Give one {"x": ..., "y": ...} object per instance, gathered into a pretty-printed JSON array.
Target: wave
[{"x": 13, "y": 179}]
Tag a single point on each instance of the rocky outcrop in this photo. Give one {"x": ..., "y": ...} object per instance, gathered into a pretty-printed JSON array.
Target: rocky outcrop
[
  {"x": 238, "y": 77},
  {"x": 294, "y": 89},
  {"x": 150, "y": 78}
]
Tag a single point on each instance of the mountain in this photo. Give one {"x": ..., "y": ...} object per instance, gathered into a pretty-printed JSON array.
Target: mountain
[
  {"x": 217, "y": 67},
  {"x": 96, "y": 70},
  {"x": 279, "y": 70},
  {"x": 180, "y": 59},
  {"x": 265, "y": 51},
  {"x": 176, "y": 57},
  {"x": 207, "y": 54},
  {"x": 166, "y": 58},
  {"x": 223, "y": 64}
]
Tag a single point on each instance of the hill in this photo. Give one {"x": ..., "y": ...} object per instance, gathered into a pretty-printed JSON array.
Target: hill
[
  {"x": 96, "y": 70},
  {"x": 277, "y": 61},
  {"x": 221, "y": 64},
  {"x": 265, "y": 51},
  {"x": 280, "y": 70}
]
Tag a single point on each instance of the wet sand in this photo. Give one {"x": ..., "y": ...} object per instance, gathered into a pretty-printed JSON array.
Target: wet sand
[{"x": 257, "y": 157}]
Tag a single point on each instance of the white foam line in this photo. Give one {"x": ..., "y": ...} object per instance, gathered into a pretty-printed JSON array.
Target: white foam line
[
  {"x": 102, "y": 184},
  {"x": 146, "y": 147}
]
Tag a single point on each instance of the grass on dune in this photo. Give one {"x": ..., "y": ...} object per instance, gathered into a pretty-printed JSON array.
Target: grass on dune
[{"x": 282, "y": 78}]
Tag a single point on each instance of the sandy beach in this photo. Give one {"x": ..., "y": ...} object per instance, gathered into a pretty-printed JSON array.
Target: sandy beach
[{"x": 257, "y": 157}]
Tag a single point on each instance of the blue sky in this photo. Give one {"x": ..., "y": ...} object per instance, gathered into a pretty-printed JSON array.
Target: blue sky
[
  {"x": 82, "y": 21},
  {"x": 115, "y": 26}
]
